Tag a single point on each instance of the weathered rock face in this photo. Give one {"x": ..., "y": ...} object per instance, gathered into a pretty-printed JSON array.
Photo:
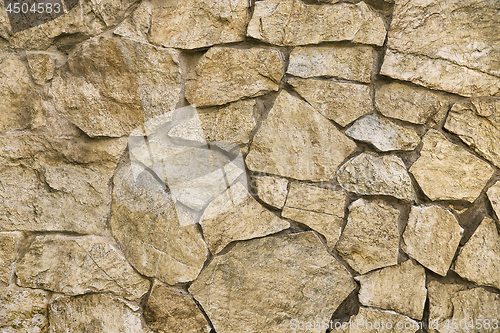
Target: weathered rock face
[
  {"x": 445, "y": 171},
  {"x": 440, "y": 303},
  {"x": 494, "y": 196},
  {"x": 319, "y": 208},
  {"x": 226, "y": 74},
  {"x": 94, "y": 313},
  {"x": 272, "y": 190},
  {"x": 291, "y": 275},
  {"x": 41, "y": 66},
  {"x": 374, "y": 321},
  {"x": 479, "y": 259},
  {"x": 352, "y": 63},
  {"x": 339, "y": 101},
  {"x": 296, "y": 141},
  {"x": 369, "y": 174},
  {"x": 145, "y": 222},
  {"x": 383, "y": 134},
  {"x": 9, "y": 245},
  {"x": 79, "y": 265},
  {"x": 169, "y": 310},
  {"x": 400, "y": 288},
  {"x": 292, "y": 22},
  {"x": 370, "y": 239},
  {"x": 432, "y": 230},
  {"x": 23, "y": 310}
]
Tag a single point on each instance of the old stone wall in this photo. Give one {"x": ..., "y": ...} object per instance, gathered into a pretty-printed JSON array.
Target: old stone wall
[{"x": 273, "y": 166}]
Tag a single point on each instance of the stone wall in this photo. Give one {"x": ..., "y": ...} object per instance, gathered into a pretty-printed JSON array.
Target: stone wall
[{"x": 339, "y": 168}]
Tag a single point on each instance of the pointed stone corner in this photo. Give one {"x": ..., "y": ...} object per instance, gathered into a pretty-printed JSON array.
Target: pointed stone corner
[
  {"x": 494, "y": 196},
  {"x": 272, "y": 190}
]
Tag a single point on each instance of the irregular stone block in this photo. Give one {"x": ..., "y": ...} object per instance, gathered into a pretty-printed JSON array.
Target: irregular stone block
[
  {"x": 374, "y": 321},
  {"x": 23, "y": 310},
  {"x": 440, "y": 304},
  {"x": 494, "y": 196},
  {"x": 272, "y": 190},
  {"x": 9, "y": 246}
]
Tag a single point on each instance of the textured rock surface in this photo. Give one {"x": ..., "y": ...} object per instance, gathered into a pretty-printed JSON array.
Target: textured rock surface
[
  {"x": 41, "y": 66},
  {"x": 225, "y": 75},
  {"x": 479, "y": 259},
  {"x": 440, "y": 303},
  {"x": 432, "y": 230},
  {"x": 339, "y": 101},
  {"x": 296, "y": 141},
  {"x": 9, "y": 247},
  {"x": 344, "y": 62},
  {"x": 370, "y": 239},
  {"x": 374, "y": 321},
  {"x": 169, "y": 310},
  {"x": 272, "y": 190},
  {"x": 319, "y": 208},
  {"x": 400, "y": 288},
  {"x": 79, "y": 265},
  {"x": 292, "y": 22},
  {"x": 93, "y": 313},
  {"x": 445, "y": 171},
  {"x": 145, "y": 222},
  {"x": 293, "y": 276},
  {"x": 23, "y": 310},
  {"x": 477, "y": 123},
  {"x": 369, "y": 174},
  {"x": 494, "y": 196},
  {"x": 383, "y": 134}
]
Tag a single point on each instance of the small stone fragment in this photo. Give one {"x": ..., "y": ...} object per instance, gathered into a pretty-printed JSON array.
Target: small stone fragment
[
  {"x": 319, "y": 208},
  {"x": 431, "y": 237},
  {"x": 345, "y": 62},
  {"x": 296, "y": 141},
  {"x": 272, "y": 190},
  {"x": 383, "y": 134},
  {"x": 9, "y": 245},
  {"x": 479, "y": 259},
  {"x": 374, "y": 321},
  {"x": 369, "y": 174},
  {"x": 341, "y": 102},
  {"x": 290, "y": 277},
  {"x": 225, "y": 74},
  {"x": 93, "y": 313},
  {"x": 23, "y": 310},
  {"x": 494, "y": 196},
  {"x": 292, "y": 22},
  {"x": 41, "y": 67},
  {"x": 370, "y": 239},
  {"x": 79, "y": 265},
  {"x": 170, "y": 310},
  {"x": 445, "y": 171},
  {"x": 400, "y": 288}
]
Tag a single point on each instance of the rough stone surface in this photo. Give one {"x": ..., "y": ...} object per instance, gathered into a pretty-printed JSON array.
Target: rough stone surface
[
  {"x": 170, "y": 310},
  {"x": 345, "y": 62},
  {"x": 291, "y": 277},
  {"x": 367, "y": 319},
  {"x": 445, "y": 171},
  {"x": 23, "y": 310},
  {"x": 319, "y": 208},
  {"x": 440, "y": 303},
  {"x": 494, "y": 196},
  {"x": 272, "y": 190},
  {"x": 93, "y": 313},
  {"x": 369, "y": 174},
  {"x": 41, "y": 66},
  {"x": 9, "y": 246},
  {"x": 479, "y": 259},
  {"x": 146, "y": 224},
  {"x": 226, "y": 74},
  {"x": 292, "y": 22},
  {"x": 383, "y": 134},
  {"x": 296, "y": 141},
  {"x": 477, "y": 123},
  {"x": 370, "y": 239},
  {"x": 341, "y": 102},
  {"x": 431, "y": 237},
  {"x": 413, "y": 104},
  {"x": 79, "y": 265},
  {"x": 400, "y": 288}
]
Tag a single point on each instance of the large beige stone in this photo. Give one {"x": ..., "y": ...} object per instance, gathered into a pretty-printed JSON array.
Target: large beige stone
[
  {"x": 413, "y": 104},
  {"x": 373, "y": 321},
  {"x": 225, "y": 74},
  {"x": 319, "y": 208},
  {"x": 290, "y": 277},
  {"x": 345, "y": 62},
  {"x": 341, "y": 102},
  {"x": 9, "y": 247},
  {"x": 370, "y": 239},
  {"x": 23, "y": 310},
  {"x": 369, "y": 174},
  {"x": 431, "y": 237},
  {"x": 494, "y": 196},
  {"x": 292, "y": 22},
  {"x": 477, "y": 123},
  {"x": 145, "y": 222},
  {"x": 98, "y": 313},
  {"x": 445, "y": 171},
  {"x": 400, "y": 288},
  {"x": 479, "y": 259},
  {"x": 171, "y": 310},
  {"x": 79, "y": 265},
  {"x": 272, "y": 190},
  {"x": 296, "y": 141},
  {"x": 383, "y": 134}
]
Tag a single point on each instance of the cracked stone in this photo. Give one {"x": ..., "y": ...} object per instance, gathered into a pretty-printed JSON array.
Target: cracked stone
[
  {"x": 9, "y": 247},
  {"x": 23, "y": 310},
  {"x": 494, "y": 196},
  {"x": 367, "y": 320},
  {"x": 272, "y": 190},
  {"x": 440, "y": 304},
  {"x": 291, "y": 277}
]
